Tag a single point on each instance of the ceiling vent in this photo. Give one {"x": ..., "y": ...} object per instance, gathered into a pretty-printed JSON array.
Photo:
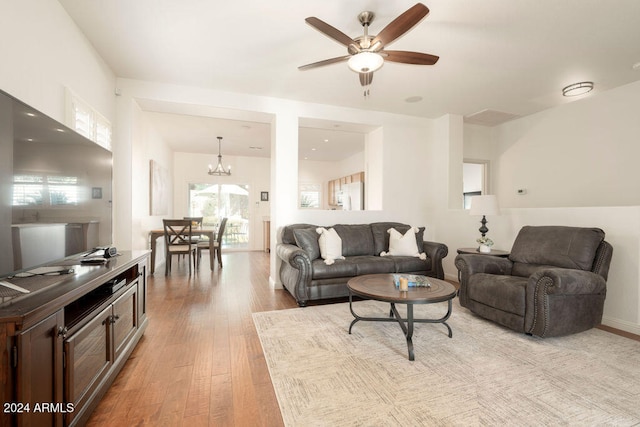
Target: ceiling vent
[{"x": 489, "y": 118}]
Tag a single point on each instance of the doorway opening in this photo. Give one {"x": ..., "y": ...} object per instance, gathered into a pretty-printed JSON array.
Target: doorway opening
[
  {"x": 213, "y": 202},
  {"x": 474, "y": 180}
]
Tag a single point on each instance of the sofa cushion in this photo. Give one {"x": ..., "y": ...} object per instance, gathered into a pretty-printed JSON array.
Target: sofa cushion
[
  {"x": 340, "y": 268},
  {"x": 356, "y": 239},
  {"x": 287, "y": 232},
  {"x": 307, "y": 240},
  {"x": 506, "y": 293},
  {"x": 370, "y": 264},
  {"x": 410, "y": 264},
  {"x": 567, "y": 247}
]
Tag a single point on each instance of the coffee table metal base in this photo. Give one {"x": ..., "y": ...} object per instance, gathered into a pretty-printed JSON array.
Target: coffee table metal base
[{"x": 405, "y": 323}]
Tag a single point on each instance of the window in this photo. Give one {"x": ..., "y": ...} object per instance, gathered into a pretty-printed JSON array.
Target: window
[
  {"x": 38, "y": 190},
  {"x": 87, "y": 121},
  {"x": 310, "y": 196}
]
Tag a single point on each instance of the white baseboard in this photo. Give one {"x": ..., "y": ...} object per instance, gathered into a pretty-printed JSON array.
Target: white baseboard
[
  {"x": 623, "y": 325},
  {"x": 274, "y": 284}
]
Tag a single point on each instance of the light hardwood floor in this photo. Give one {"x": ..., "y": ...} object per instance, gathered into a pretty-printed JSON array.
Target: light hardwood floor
[{"x": 200, "y": 362}]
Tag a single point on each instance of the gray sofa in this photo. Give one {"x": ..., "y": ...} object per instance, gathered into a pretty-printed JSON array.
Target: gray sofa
[
  {"x": 552, "y": 284},
  {"x": 306, "y": 276}
]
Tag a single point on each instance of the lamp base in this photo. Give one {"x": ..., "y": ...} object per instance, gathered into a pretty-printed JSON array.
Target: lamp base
[{"x": 483, "y": 230}]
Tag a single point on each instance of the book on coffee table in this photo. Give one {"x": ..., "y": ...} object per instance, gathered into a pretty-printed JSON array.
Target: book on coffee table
[{"x": 415, "y": 280}]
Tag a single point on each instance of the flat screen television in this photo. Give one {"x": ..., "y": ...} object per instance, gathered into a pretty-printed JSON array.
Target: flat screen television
[{"x": 55, "y": 190}]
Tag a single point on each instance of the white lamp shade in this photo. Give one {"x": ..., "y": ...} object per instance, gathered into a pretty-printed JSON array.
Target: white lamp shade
[
  {"x": 484, "y": 205},
  {"x": 365, "y": 62}
]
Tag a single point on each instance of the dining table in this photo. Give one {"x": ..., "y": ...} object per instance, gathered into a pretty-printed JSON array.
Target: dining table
[{"x": 209, "y": 232}]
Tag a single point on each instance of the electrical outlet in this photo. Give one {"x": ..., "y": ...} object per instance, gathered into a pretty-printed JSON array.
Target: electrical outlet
[{"x": 522, "y": 191}]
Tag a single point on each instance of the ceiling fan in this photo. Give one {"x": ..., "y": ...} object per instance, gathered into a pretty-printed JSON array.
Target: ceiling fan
[{"x": 367, "y": 53}]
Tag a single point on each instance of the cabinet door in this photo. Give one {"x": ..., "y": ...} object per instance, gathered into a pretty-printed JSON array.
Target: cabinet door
[
  {"x": 39, "y": 370},
  {"x": 88, "y": 359},
  {"x": 125, "y": 320},
  {"x": 331, "y": 189},
  {"x": 142, "y": 293}
]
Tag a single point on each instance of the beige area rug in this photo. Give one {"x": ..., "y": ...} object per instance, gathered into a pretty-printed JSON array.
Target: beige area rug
[{"x": 484, "y": 375}]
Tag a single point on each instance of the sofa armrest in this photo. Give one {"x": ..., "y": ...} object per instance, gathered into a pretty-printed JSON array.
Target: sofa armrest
[
  {"x": 562, "y": 301},
  {"x": 292, "y": 254},
  {"x": 295, "y": 271},
  {"x": 470, "y": 264},
  {"x": 436, "y": 252}
]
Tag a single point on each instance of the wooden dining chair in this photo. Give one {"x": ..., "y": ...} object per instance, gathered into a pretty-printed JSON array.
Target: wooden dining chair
[
  {"x": 177, "y": 239},
  {"x": 196, "y": 223},
  {"x": 216, "y": 245}
]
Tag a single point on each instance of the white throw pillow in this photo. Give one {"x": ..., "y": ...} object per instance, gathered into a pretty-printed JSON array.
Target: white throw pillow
[
  {"x": 403, "y": 245},
  {"x": 330, "y": 245}
]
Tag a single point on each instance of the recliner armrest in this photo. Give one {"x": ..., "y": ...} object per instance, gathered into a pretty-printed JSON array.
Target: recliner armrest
[
  {"x": 564, "y": 281},
  {"x": 561, "y": 301},
  {"x": 469, "y": 264}
]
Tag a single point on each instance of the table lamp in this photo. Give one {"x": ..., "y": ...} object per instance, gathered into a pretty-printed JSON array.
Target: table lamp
[{"x": 484, "y": 205}]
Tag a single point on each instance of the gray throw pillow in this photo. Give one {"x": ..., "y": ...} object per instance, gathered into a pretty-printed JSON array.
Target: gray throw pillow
[{"x": 307, "y": 240}]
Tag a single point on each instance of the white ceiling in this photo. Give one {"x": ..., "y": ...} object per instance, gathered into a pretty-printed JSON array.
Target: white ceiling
[{"x": 505, "y": 56}]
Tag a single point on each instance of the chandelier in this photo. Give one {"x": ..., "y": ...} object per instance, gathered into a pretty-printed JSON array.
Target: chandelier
[{"x": 219, "y": 170}]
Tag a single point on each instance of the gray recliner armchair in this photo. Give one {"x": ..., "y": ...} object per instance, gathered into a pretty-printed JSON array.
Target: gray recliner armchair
[{"x": 552, "y": 284}]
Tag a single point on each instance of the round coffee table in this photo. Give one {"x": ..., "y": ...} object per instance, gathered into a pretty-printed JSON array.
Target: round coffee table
[{"x": 380, "y": 287}]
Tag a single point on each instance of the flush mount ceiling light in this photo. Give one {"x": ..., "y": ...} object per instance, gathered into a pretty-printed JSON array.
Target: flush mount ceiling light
[
  {"x": 219, "y": 170},
  {"x": 577, "y": 89},
  {"x": 365, "y": 62}
]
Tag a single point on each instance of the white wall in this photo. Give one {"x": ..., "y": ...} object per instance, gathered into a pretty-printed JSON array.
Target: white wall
[
  {"x": 590, "y": 146},
  {"x": 43, "y": 51}
]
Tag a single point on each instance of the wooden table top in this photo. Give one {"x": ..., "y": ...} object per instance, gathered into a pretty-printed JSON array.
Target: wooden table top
[{"x": 382, "y": 288}]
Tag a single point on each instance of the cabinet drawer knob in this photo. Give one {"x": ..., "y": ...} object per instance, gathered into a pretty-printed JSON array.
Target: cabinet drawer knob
[{"x": 62, "y": 331}]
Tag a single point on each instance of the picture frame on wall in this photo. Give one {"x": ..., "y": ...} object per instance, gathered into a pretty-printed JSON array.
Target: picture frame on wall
[
  {"x": 264, "y": 196},
  {"x": 159, "y": 189}
]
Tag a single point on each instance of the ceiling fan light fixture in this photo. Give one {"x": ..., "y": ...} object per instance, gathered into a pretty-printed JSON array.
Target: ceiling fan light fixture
[
  {"x": 577, "y": 89},
  {"x": 365, "y": 62}
]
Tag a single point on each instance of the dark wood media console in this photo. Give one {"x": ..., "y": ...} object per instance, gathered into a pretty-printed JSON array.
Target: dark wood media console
[{"x": 65, "y": 342}]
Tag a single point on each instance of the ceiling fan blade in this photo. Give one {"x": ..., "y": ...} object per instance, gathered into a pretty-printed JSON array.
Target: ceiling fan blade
[
  {"x": 405, "y": 57},
  {"x": 400, "y": 25},
  {"x": 323, "y": 63},
  {"x": 366, "y": 78},
  {"x": 330, "y": 31}
]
